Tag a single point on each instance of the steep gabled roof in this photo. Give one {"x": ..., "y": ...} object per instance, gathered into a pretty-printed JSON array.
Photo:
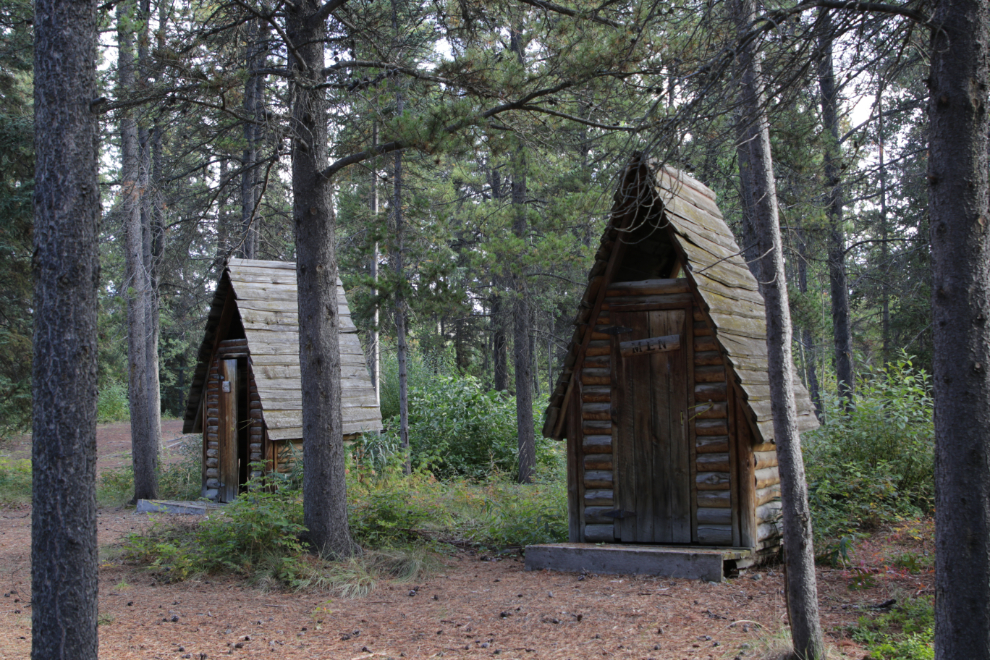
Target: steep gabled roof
[
  {"x": 265, "y": 295},
  {"x": 673, "y": 210}
]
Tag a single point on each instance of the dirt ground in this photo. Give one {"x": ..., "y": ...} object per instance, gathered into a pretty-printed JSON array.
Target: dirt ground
[{"x": 475, "y": 606}]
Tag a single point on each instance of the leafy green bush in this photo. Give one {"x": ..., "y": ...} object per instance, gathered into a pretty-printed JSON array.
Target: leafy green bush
[
  {"x": 457, "y": 429},
  {"x": 15, "y": 481},
  {"x": 112, "y": 404},
  {"x": 874, "y": 462}
]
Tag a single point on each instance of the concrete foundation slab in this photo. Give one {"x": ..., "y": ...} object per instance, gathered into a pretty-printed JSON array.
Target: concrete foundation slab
[
  {"x": 169, "y": 506},
  {"x": 691, "y": 562}
]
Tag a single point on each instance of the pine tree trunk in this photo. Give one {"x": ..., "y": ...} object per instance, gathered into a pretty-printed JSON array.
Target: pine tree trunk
[
  {"x": 500, "y": 349},
  {"x": 400, "y": 312},
  {"x": 149, "y": 215},
  {"x": 324, "y": 490},
  {"x": 884, "y": 249},
  {"x": 254, "y": 109},
  {"x": 802, "y": 591},
  {"x": 807, "y": 338},
  {"x": 374, "y": 347},
  {"x": 838, "y": 285},
  {"x": 144, "y": 443},
  {"x": 64, "y": 370},
  {"x": 745, "y": 134},
  {"x": 520, "y": 341},
  {"x": 959, "y": 208}
]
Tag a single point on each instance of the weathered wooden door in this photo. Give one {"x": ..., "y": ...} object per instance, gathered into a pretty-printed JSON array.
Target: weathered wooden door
[
  {"x": 653, "y": 475},
  {"x": 227, "y": 431}
]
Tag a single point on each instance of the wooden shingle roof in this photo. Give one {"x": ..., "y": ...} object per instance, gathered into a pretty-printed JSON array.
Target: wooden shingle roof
[
  {"x": 686, "y": 214},
  {"x": 265, "y": 294}
]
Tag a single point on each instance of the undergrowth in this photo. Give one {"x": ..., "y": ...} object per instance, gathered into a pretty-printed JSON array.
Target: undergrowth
[
  {"x": 178, "y": 480},
  {"x": 399, "y": 521},
  {"x": 15, "y": 481},
  {"x": 907, "y": 632},
  {"x": 873, "y": 463}
]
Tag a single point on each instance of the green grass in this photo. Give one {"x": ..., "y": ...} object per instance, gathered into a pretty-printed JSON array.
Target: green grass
[
  {"x": 400, "y": 521},
  {"x": 904, "y": 633},
  {"x": 15, "y": 481}
]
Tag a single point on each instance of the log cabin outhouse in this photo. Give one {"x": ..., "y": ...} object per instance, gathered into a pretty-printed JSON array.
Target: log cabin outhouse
[
  {"x": 246, "y": 394},
  {"x": 664, "y": 398}
]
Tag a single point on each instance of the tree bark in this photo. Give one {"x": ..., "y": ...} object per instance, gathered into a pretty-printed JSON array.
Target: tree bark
[
  {"x": 884, "y": 249},
  {"x": 838, "y": 285},
  {"x": 133, "y": 174},
  {"x": 150, "y": 223},
  {"x": 500, "y": 349},
  {"x": 324, "y": 489},
  {"x": 523, "y": 362},
  {"x": 64, "y": 372},
  {"x": 374, "y": 347},
  {"x": 802, "y": 591},
  {"x": 959, "y": 208},
  {"x": 253, "y": 131},
  {"x": 520, "y": 341},
  {"x": 400, "y": 309}
]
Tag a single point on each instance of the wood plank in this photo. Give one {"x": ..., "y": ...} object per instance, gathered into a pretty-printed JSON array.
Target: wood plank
[
  {"x": 227, "y": 431},
  {"x": 768, "y": 531},
  {"x": 599, "y": 515},
  {"x": 643, "y": 303},
  {"x": 677, "y": 462},
  {"x": 686, "y": 188},
  {"x": 598, "y": 461},
  {"x": 599, "y": 533},
  {"x": 713, "y": 462},
  {"x": 716, "y": 499},
  {"x": 656, "y": 287},
  {"x": 596, "y": 394},
  {"x": 708, "y": 358},
  {"x": 595, "y": 376},
  {"x": 711, "y": 427},
  {"x": 764, "y": 459},
  {"x": 692, "y": 406},
  {"x": 768, "y": 494},
  {"x": 714, "y": 516},
  {"x": 746, "y": 478},
  {"x": 598, "y": 479},
  {"x": 708, "y": 375},
  {"x": 707, "y": 392},
  {"x": 598, "y": 497},
  {"x": 770, "y": 512},
  {"x": 712, "y": 481},
  {"x": 708, "y": 285},
  {"x": 712, "y": 444},
  {"x": 597, "y": 444},
  {"x": 733, "y": 470},
  {"x": 650, "y": 345},
  {"x": 574, "y": 454},
  {"x": 715, "y": 534},
  {"x": 766, "y": 477},
  {"x": 711, "y": 410}
]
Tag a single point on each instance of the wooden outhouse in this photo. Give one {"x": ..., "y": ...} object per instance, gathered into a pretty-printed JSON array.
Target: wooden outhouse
[
  {"x": 246, "y": 394},
  {"x": 664, "y": 398}
]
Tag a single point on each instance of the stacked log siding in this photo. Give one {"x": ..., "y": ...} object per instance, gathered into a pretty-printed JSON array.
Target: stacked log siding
[
  {"x": 254, "y": 317},
  {"x": 698, "y": 268}
]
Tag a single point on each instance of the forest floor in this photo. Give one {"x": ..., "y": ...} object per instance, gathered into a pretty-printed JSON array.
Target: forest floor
[{"x": 470, "y": 605}]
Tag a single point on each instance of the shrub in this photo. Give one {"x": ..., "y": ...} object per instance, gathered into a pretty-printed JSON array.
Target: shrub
[
  {"x": 457, "y": 429},
  {"x": 112, "y": 404},
  {"x": 874, "y": 462}
]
